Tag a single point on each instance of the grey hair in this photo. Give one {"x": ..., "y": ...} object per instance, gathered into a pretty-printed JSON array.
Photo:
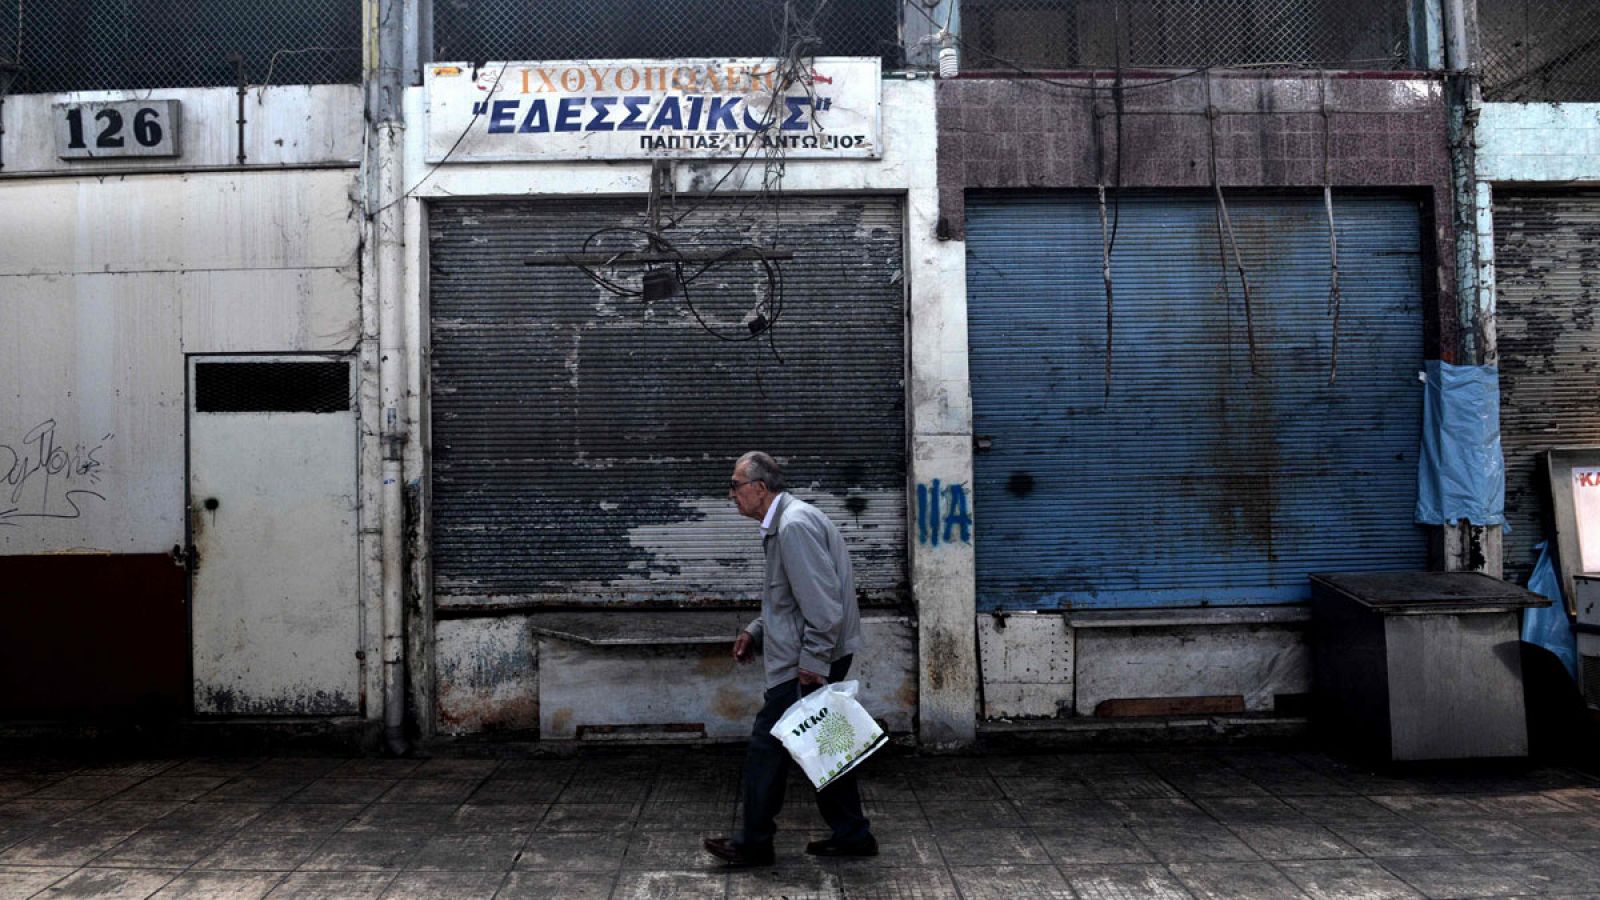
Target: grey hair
[{"x": 760, "y": 467}]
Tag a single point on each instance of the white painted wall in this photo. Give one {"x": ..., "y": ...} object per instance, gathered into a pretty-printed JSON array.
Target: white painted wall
[
  {"x": 106, "y": 282},
  {"x": 938, "y": 392}
]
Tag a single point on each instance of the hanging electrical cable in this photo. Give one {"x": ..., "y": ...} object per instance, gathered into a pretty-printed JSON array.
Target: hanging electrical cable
[
  {"x": 1335, "y": 295},
  {"x": 1225, "y": 235},
  {"x": 1105, "y": 233}
]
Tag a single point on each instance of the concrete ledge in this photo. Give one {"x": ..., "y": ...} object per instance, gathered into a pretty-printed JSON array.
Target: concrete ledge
[
  {"x": 643, "y": 629},
  {"x": 1201, "y": 615},
  {"x": 1088, "y": 732}
]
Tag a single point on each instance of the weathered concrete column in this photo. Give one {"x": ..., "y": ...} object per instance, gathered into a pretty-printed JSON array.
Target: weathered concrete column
[{"x": 940, "y": 397}]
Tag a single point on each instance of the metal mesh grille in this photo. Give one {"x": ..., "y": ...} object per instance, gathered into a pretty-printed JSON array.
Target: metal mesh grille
[
  {"x": 483, "y": 30},
  {"x": 1542, "y": 50},
  {"x": 1001, "y": 35},
  {"x": 79, "y": 45},
  {"x": 315, "y": 387},
  {"x": 1591, "y": 679}
]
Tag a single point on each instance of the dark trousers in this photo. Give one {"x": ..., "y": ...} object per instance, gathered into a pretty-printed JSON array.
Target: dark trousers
[{"x": 766, "y": 774}]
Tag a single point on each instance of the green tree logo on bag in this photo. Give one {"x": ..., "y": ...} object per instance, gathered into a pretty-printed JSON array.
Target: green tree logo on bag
[{"x": 835, "y": 735}]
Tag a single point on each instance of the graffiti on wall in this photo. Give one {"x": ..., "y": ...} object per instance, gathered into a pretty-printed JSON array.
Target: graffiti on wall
[
  {"x": 943, "y": 515},
  {"x": 48, "y": 479}
]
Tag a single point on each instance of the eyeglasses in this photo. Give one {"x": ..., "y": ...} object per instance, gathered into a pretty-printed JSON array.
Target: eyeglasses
[{"x": 735, "y": 484}]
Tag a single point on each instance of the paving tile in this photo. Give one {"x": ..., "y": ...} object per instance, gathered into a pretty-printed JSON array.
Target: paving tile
[
  {"x": 311, "y": 817},
  {"x": 633, "y": 885},
  {"x": 258, "y": 790},
  {"x": 897, "y": 788},
  {"x": 1192, "y": 843},
  {"x": 1294, "y": 840},
  {"x": 574, "y": 851},
  {"x": 1028, "y": 787},
  {"x": 1579, "y": 799},
  {"x": 656, "y": 816},
  {"x": 962, "y": 789},
  {"x": 343, "y": 790},
  {"x": 589, "y": 817},
  {"x": 351, "y": 851},
  {"x": 896, "y": 848},
  {"x": 1430, "y": 806},
  {"x": 112, "y": 883},
  {"x": 430, "y": 790},
  {"x": 1392, "y": 839},
  {"x": 991, "y": 847},
  {"x": 332, "y": 886},
  {"x": 296, "y": 767},
  {"x": 25, "y": 881},
  {"x": 1569, "y": 831},
  {"x": 1298, "y": 782},
  {"x": 1160, "y": 810},
  {"x": 220, "y": 816},
  {"x": 861, "y": 883},
  {"x": 785, "y": 882},
  {"x": 30, "y": 811},
  {"x": 1093, "y": 844},
  {"x": 883, "y": 814},
  {"x": 1125, "y": 882},
  {"x": 536, "y": 768},
  {"x": 468, "y": 852},
  {"x": 565, "y": 885},
  {"x": 1023, "y": 764},
  {"x": 180, "y": 788},
  {"x": 161, "y": 848},
  {"x": 376, "y": 768},
  {"x": 1339, "y": 809},
  {"x": 1461, "y": 876},
  {"x": 1131, "y": 787},
  {"x": 590, "y": 790},
  {"x": 1568, "y": 873},
  {"x": 1045, "y": 813},
  {"x": 1346, "y": 879},
  {"x": 221, "y": 885},
  {"x": 115, "y": 814},
  {"x": 1249, "y": 810},
  {"x": 1487, "y": 836},
  {"x": 1011, "y": 882},
  {"x": 456, "y": 768},
  {"x": 1219, "y": 783},
  {"x": 1235, "y": 881},
  {"x": 673, "y": 850},
  {"x": 13, "y": 788},
  {"x": 1529, "y": 804},
  {"x": 138, "y": 768},
  {"x": 11, "y": 834},
  {"x": 63, "y": 846},
  {"x": 87, "y": 787},
  {"x": 505, "y": 790},
  {"x": 428, "y": 817},
  {"x": 263, "y": 850},
  {"x": 697, "y": 789},
  {"x": 225, "y": 766},
  {"x": 514, "y": 817},
  {"x": 960, "y": 814},
  {"x": 444, "y": 885}
]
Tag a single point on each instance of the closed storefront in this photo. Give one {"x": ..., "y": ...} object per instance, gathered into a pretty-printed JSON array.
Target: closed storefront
[
  {"x": 1547, "y": 278},
  {"x": 582, "y": 440},
  {"x": 1221, "y": 450}
]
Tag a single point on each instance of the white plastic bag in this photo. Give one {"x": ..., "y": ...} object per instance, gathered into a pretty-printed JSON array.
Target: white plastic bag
[{"x": 828, "y": 733}]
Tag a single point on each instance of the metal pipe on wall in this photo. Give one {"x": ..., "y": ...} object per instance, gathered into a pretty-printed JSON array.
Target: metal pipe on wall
[{"x": 388, "y": 228}]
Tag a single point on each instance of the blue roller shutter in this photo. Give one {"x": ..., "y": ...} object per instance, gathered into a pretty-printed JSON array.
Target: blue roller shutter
[{"x": 1195, "y": 483}]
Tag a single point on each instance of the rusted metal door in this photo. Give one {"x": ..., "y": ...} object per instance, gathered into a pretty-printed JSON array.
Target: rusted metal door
[
  {"x": 272, "y": 519},
  {"x": 1194, "y": 477},
  {"x": 1547, "y": 294},
  {"x": 582, "y": 441}
]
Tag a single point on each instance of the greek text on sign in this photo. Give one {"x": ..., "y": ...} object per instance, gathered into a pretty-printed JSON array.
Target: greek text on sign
[{"x": 651, "y": 109}]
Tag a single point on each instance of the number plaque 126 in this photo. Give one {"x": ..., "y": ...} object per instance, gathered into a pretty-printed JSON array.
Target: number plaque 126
[{"x": 117, "y": 129}]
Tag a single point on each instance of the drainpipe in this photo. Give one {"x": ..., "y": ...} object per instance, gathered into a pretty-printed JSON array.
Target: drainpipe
[{"x": 388, "y": 229}]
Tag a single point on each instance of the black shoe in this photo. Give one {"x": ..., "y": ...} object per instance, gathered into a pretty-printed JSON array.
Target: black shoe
[
  {"x": 734, "y": 853},
  {"x": 867, "y": 846}
]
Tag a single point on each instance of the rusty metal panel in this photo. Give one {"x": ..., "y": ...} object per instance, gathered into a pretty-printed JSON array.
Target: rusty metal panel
[
  {"x": 1189, "y": 479},
  {"x": 1547, "y": 286},
  {"x": 488, "y": 675},
  {"x": 582, "y": 442},
  {"x": 1027, "y": 665},
  {"x": 92, "y": 635}
]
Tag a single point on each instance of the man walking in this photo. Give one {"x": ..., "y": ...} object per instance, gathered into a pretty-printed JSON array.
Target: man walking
[{"x": 808, "y": 632}]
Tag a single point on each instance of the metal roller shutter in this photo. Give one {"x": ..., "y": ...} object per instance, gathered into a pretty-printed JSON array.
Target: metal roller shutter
[
  {"x": 582, "y": 442},
  {"x": 1195, "y": 483},
  {"x": 1547, "y": 291}
]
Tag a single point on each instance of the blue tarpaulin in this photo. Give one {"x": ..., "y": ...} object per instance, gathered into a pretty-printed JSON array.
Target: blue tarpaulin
[
  {"x": 1549, "y": 627},
  {"x": 1461, "y": 474}
]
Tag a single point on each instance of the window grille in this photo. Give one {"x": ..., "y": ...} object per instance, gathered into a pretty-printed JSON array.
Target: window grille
[
  {"x": 84, "y": 45},
  {"x": 1540, "y": 50},
  {"x": 486, "y": 30},
  {"x": 315, "y": 387},
  {"x": 1003, "y": 35}
]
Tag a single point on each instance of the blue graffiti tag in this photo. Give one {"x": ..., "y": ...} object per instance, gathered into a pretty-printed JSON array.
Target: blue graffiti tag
[{"x": 934, "y": 499}]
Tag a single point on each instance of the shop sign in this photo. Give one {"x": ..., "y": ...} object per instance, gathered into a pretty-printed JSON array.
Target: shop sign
[{"x": 653, "y": 109}]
